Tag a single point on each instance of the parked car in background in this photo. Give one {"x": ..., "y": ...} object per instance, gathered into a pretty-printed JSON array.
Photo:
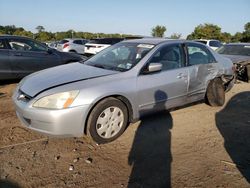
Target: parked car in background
[
  {"x": 96, "y": 45},
  {"x": 214, "y": 44},
  {"x": 53, "y": 44},
  {"x": 239, "y": 53},
  {"x": 20, "y": 56},
  {"x": 128, "y": 80},
  {"x": 76, "y": 45}
]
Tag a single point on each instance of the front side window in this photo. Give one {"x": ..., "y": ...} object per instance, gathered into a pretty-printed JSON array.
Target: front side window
[
  {"x": 26, "y": 45},
  {"x": 199, "y": 55},
  {"x": 171, "y": 57},
  {"x": 120, "y": 57}
]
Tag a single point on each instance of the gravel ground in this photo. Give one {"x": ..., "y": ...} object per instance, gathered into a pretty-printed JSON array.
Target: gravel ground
[{"x": 196, "y": 146}]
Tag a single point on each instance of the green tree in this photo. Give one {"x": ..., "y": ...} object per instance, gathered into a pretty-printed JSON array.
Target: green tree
[
  {"x": 246, "y": 33},
  {"x": 207, "y": 31},
  {"x": 226, "y": 37},
  {"x": 45, "y": 36},
  {"x": 175, "y": 36},
  {"x": 40, "y": 28},
  {"x": 23, "y": 33},
  {"x": 158, "y": 31},
  {"x": 237, "y": 37}
]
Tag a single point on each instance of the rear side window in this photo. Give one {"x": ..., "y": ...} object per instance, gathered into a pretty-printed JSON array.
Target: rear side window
[
  {"x": 77, "y": 42},
  {"x": 198, "y": 54},
  {"x": 63, "y": 41}
]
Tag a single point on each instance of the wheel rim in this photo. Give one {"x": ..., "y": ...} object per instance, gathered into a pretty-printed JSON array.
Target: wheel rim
[{"x": 109, "y": 122}]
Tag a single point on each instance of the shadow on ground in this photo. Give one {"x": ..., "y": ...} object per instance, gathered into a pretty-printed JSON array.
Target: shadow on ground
[
  {"x": 150, "y": 154},
  {"x": 6, "y": 82},
  {"x": 233, "y": 122},
  {"x": 8, "y": 184}
]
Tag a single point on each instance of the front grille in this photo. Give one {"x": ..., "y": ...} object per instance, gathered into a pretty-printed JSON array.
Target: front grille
[{"x": 28, "y": 121}]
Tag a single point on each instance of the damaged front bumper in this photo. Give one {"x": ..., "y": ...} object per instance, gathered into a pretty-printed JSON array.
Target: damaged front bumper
[
  {"x": 243, "y": 71},
  {"x": 228, "y": 81}
]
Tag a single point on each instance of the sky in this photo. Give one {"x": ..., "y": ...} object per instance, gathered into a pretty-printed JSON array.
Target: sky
[{"x": 125, "y": 16}]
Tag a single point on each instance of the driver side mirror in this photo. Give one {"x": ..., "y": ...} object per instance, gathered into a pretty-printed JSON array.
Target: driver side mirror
[{"x": 153, "y": 67}]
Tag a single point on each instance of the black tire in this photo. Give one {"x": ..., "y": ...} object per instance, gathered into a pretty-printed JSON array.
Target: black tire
[
  {"x": 215, "y": 95},
  {"x": 98, "y": 111}
]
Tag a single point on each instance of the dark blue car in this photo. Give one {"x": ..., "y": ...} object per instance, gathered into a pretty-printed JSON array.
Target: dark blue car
[{"x": 20, "y": 56}]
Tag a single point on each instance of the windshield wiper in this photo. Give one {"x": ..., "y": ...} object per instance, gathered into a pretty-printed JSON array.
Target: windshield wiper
[{"x": 97, "y": 65}]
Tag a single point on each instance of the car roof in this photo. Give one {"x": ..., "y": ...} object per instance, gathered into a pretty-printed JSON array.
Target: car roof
[
  {"x": 238, "y": 44},
  {"x": 71, "y": 39},
  {"x": 154, "y": 41},
  {"x": 14, "y": 36},
  {"x": 205, "y": 40}
]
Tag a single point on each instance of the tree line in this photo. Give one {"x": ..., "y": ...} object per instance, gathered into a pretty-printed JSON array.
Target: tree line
[
  {"x": 206, "y": 31},
  {"x": 43, "y": 35}
]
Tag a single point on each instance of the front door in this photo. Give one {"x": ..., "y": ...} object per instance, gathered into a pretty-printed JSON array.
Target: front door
[
  {"x": 28, "y": 56},
  {"x": 167, "y": 88}
]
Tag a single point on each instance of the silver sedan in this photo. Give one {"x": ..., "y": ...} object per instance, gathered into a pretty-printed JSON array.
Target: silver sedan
[{"x": 119, "y": 85}]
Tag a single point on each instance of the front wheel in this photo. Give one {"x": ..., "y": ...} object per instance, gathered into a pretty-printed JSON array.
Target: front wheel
[
  {"x": 108, "y": 120},
  {"x": 215, "y": 95}
]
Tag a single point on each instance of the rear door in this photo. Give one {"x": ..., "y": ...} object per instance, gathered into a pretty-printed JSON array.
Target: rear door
[
  {"x": 167, "y": 88},
  {"x": 28, "y": 56},
  {"x": 78, "y": 46},
  {"x": 202, "y": 68},
  {"x": 5, "y": 67}
]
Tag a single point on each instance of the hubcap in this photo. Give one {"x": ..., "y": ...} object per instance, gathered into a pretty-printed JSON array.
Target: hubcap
[{"x": 109, "y": 122}]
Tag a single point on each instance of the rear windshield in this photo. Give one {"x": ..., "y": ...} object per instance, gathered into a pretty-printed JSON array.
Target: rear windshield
[
  {"x": 201, "y": 41},
  {"x": 235, "y": 50},
  {"x": 106, "y": 41},
  {"x": 215, "y": 43},
  {"x": 63, "y": 41}
]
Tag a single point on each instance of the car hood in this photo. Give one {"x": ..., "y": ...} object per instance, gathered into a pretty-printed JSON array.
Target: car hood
[
  {"x": 46, "y": 79},
  {"x": 237, "y": 58}
]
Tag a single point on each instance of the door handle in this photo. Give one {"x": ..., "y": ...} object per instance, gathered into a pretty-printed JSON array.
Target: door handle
[
  {"x": 181, "y": 75},
  {"x": 18, "y": 54}
]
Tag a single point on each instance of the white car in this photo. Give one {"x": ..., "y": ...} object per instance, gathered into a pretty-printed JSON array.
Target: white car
[
  {"x": 214, "y": 44},
  {"x": 96, "y": 45},
  {"x": 72, "y": 45}
]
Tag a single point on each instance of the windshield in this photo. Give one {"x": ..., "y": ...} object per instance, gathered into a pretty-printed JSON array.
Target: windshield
[
  {"x": 120, "y": 57},
  {"x": 243, "y": 50}
]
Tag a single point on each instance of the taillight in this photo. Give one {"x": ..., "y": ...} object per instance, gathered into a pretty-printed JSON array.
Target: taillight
[{"x": 65, "y": 45}]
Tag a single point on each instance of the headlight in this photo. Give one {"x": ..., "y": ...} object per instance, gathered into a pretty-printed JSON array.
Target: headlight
[{"x": 57, "y": 101}]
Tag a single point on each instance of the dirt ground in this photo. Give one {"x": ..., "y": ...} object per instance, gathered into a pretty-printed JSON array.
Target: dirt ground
[{"x": 196, "y": 146}]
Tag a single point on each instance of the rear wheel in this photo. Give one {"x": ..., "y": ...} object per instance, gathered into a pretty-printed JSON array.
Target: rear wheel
[
  {"x": 108, "y": 120},
  {"x": 215, "y": 95}
]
